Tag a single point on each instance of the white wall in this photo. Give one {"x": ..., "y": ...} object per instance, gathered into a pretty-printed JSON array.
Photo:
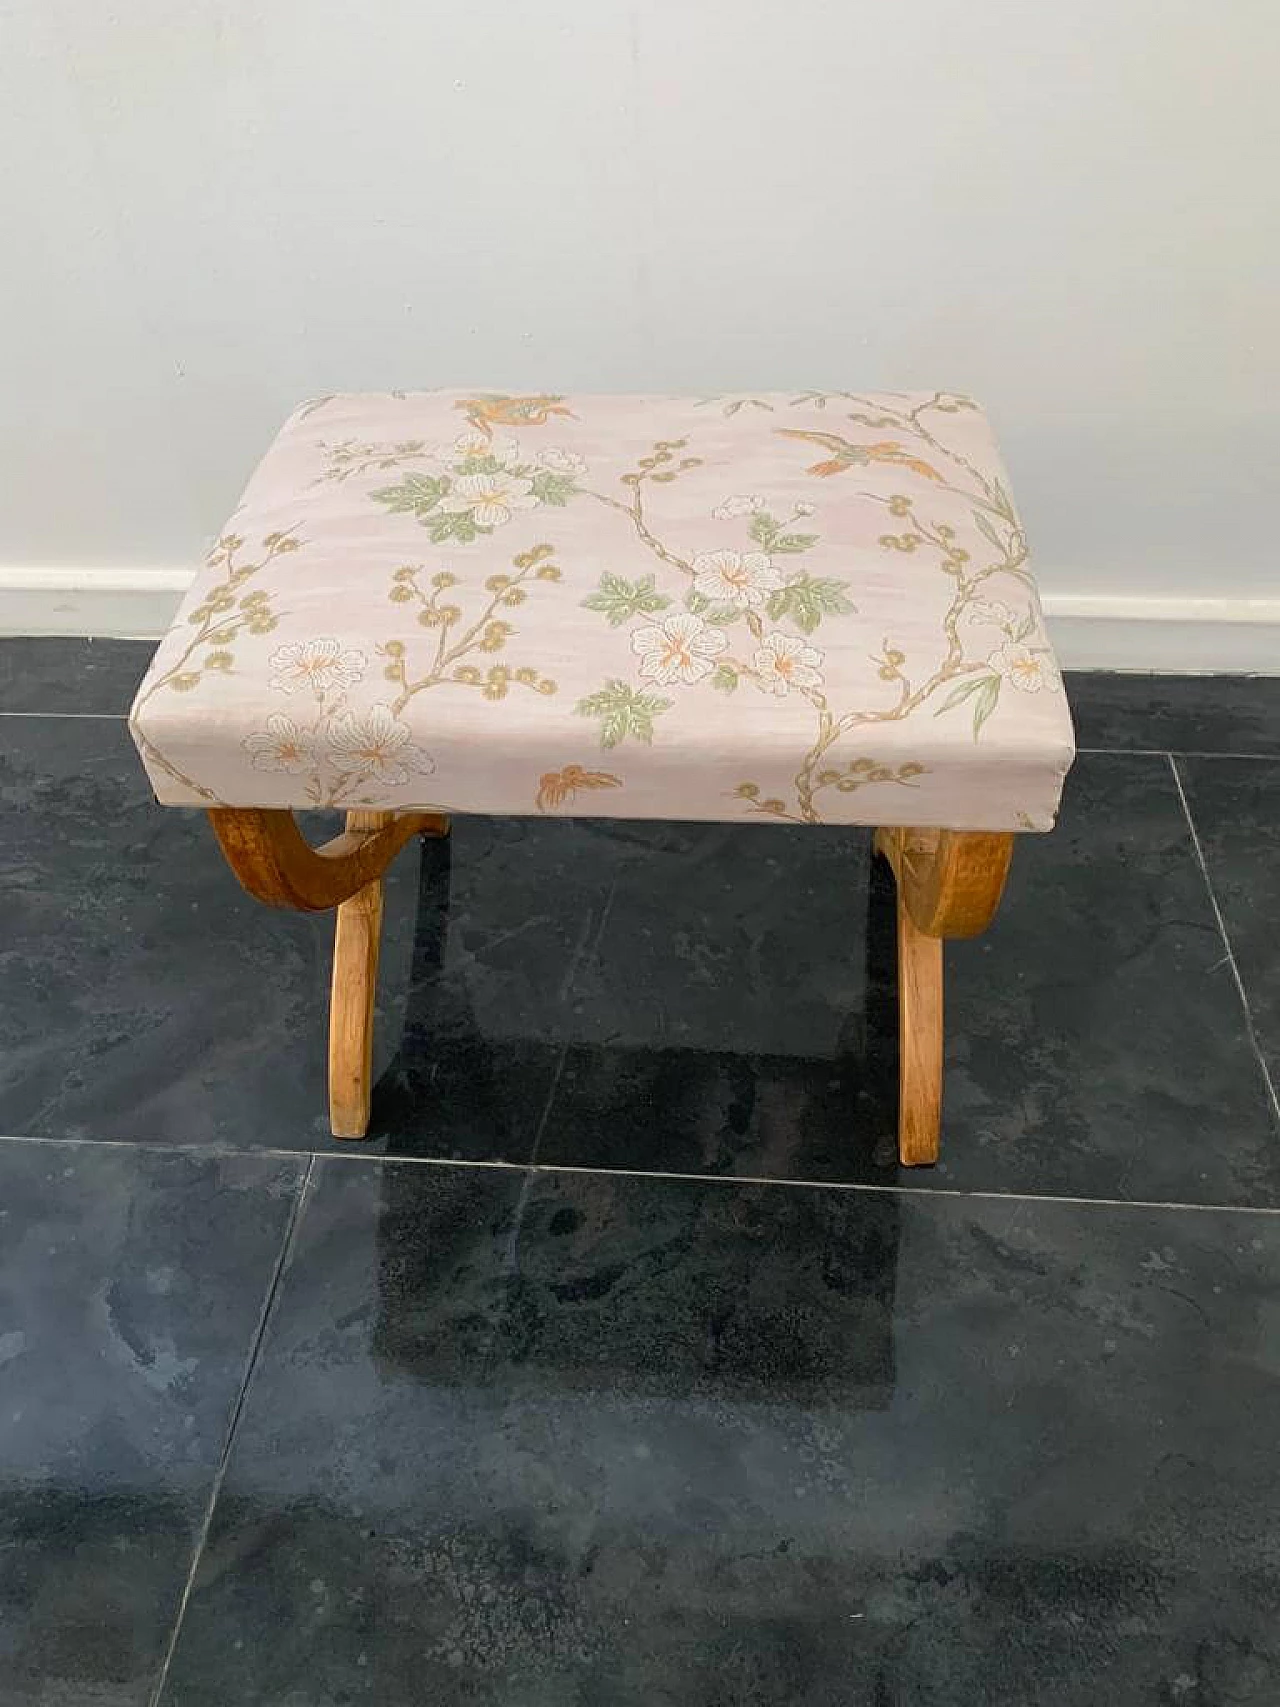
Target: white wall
[{"x": 212, "y": 208}]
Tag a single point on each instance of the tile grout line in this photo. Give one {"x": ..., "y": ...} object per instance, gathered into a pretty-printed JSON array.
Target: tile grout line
[
  {"x": 195, "y": 1151},
  {"x": 349, "y": 1158},
  {"x": 219, "y": 1475},
  {"x": 91, "y": 716},
  {"x": 870, "y": 1186},
  {"x": 1180, "y": 752},
  {"x": 1226, "y": 942}
]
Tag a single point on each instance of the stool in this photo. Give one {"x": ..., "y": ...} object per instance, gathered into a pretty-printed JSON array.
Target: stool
[{"x": 768, "y": 609}]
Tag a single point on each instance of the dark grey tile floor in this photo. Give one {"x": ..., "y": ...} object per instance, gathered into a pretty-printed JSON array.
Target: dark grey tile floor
[{"x": 623, "y": 1365}]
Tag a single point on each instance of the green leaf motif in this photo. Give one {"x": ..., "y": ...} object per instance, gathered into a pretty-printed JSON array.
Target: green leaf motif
[
  {"x": 417, "y": 494},
  {"x": 831, "y": 597},
  {"x": 737, "y": 403},
  {"x": 725, "y": 679},
  {"x": 763, "y": 528},
  {"x": 1025, "y": 628},
  {"x": 794, "y": 542},
  {"x": 985, "y": 694},
  {"x": 622, "y": 711},
  {"x": 985, "y": 702},
  {"x": 987, "y": 530},
  {"x": 552, "y": 488},
  {"x": 807, "y": 601},
  {"x": 461, "y": 526},
  {"x": 698, "y": 604},
  {"x": 957, "y": 696},
  {"x": 619, "y": 600}
]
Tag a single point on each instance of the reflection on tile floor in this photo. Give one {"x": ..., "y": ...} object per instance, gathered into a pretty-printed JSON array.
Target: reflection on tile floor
[
  {"x": 131, "y": 1287},
  {"x": 577, "y": 1437},
  {"x": 638, "y": 1441}
]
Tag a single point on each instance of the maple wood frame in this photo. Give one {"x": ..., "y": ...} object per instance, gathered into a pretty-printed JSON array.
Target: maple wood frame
[{"x": 949, "y": 884}]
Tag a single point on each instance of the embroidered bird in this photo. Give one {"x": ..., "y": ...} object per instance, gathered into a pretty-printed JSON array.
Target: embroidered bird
[
  {"x": 556, "y": 787},
  {"x": 844, "y": 455},
  {"x": 493, "y": 410}
]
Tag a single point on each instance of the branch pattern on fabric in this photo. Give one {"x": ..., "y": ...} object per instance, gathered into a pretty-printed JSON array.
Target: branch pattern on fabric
[
  {"x": 729, "y": 585},
  {"x": 222, "y": 616}
]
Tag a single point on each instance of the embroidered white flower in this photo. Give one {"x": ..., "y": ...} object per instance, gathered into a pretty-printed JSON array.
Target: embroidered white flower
[
  {"x": 1024, "y": 669},
  {"x": 491, "y": 499},
  {"x": 316, "y": 664},
  {"x": 503, "y": 450},
  {"x": 561, "y": 461},
  {"x": 805, "y": 509},
  {"x": 681, "y": 648},
  {"x": 740, "y": 579},
  {"x": 993, "y": 611},
  {"x": 375, "y": 743},
  {"x": 784, "y": 662},
  {"x": 281, "y": 746},
  {"x": 741, "y": 504}
]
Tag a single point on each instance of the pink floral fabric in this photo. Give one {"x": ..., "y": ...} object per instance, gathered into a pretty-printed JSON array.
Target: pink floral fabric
[{"x": 800, "y": 608}]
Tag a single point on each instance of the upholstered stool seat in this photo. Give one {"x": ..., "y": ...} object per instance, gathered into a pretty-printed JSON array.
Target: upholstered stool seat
[
  {"x": 772, "y": 608},
  {"x": 655, "y": 607}
]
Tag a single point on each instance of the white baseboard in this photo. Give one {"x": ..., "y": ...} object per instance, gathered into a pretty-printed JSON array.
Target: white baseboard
[
  {"x": 1183, "y": 636},
  {"x": 1193, "y": 636},
  {"x": 120, "y": 603}
]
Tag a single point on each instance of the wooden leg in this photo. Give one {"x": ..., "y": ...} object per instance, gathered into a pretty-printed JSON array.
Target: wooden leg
[
  {"x": 268, "y": 854},
  {"x": 919, "y": 1042},
  {"x": 357, "y": 938},
  {"x": 949, "y": 885}
]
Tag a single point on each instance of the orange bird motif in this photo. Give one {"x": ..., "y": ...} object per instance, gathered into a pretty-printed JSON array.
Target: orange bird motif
[
  {"x": 494, "y": 410},
  {"x": 844, "y": 455},
  {"x": 556, "y": 787}
]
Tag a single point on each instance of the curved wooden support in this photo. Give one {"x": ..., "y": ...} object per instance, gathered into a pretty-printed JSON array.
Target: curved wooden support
[
  {"x": 951, "y": 880},
  {"x": 275, "y": 863},
  {"x": 949, "y": 885}
]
